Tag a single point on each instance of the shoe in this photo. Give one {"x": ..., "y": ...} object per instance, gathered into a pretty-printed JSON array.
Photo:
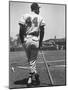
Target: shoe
[
  {"x": 37, "y": 79},
  {"x": 29, "y": 81},
  {"x": 36, "y": 82}
]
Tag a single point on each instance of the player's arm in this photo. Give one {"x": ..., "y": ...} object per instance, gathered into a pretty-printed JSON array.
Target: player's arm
[
  {"x": 41, "y": 35},
  {"x": 22, "y": 32},
  {"x": 22, "y": 28}
]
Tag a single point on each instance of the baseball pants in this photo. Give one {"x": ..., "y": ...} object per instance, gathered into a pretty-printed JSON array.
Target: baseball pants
[{"x": 31, "y": 49}]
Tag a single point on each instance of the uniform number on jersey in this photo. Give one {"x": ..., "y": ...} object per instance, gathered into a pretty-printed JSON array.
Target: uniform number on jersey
[
  {"x": 28, "y": 22},
  {"x": 35, "y": 22}
]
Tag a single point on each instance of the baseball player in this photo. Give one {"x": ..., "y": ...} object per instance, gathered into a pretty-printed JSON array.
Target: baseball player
[{"x": 31, "y": 35}]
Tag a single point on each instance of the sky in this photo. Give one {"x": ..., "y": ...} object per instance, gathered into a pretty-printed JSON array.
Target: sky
[{"x": 53, "y": 14}]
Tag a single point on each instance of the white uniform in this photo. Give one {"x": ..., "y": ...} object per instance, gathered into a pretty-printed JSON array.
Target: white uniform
[{"x": 33, "y": 22}]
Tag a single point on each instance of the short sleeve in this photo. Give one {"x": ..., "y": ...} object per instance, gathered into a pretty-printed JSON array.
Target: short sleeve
[
  {"x": 43, "y": 22},
  {"x": 22, "y": 20}
]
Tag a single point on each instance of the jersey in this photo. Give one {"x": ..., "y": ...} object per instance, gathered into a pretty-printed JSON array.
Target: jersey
[{"x": 33, "y": 22}]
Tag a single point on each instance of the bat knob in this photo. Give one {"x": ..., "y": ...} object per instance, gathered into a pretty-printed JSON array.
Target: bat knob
[{"x": 13, "y": 69}]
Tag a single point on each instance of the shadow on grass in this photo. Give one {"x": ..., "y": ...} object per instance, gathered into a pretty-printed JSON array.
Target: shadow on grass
[
  {"x": 24, "y": 82},
  {"x": 21, "y": 82}
]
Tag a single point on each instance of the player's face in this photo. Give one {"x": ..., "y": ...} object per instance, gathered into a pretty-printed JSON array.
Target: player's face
[{"x": 37, "y": 11}]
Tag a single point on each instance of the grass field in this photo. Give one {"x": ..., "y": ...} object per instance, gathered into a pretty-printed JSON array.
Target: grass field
[{"x": 56, "y": 63}]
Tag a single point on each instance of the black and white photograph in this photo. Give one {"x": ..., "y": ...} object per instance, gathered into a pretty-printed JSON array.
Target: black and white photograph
[{"x": 37, "y": 44}]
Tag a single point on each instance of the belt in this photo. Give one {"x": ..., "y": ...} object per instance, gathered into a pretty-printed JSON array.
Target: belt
[
  {"x": 34, "y": 34},
  {"x": 35, "y": 40}
]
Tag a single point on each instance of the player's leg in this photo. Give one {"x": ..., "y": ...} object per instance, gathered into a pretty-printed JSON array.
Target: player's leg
[
  {"x": 27, "y": 49},
  {"x": 32, "y": 58}
]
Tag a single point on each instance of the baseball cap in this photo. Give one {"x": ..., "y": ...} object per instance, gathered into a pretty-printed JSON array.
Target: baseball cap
[{"x": 34, "y": 6}]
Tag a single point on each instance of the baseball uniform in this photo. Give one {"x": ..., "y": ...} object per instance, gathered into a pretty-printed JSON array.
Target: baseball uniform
[{"x": 31, "y": 39}]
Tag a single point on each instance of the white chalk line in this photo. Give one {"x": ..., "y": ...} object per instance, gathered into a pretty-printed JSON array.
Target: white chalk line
[
  {"x": 58, "y": 66},
  {"x": 51, "y": 79},
  {"x": 52, "y": 61}
]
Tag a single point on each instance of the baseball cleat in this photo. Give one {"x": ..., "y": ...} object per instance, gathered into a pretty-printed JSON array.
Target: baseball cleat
[
  {"x": 29, "y": 82},
  {"x": 37, "y": 80}
]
